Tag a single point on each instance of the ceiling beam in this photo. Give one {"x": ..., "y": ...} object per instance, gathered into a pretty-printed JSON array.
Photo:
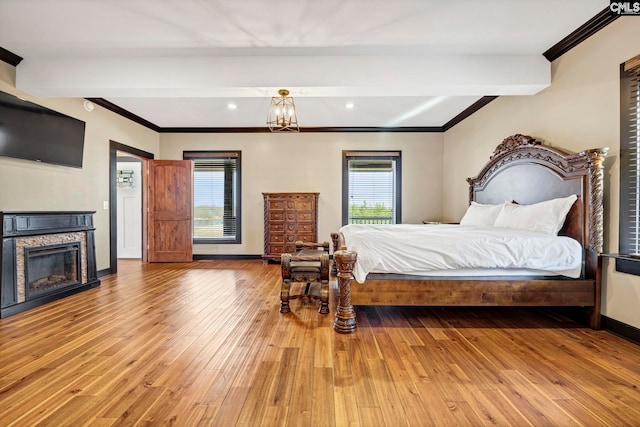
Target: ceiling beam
[{"x": 259, "y": 76}]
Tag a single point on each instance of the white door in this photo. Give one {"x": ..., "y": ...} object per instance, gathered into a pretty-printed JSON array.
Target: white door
[{"x": 129, "y": 219}]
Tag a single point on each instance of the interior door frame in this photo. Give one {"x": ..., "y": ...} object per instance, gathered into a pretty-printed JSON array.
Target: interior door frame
[{"x": 114, "y": 147}]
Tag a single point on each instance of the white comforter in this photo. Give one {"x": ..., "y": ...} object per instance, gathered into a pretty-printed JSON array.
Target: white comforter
[{"x": 425, "y": 249}]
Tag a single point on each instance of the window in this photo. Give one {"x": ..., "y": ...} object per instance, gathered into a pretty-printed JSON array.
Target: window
[
  {"x": 371, "y": 187},
  {"x": 216, "y": 196},
  {"x": 629, "y": 165}
]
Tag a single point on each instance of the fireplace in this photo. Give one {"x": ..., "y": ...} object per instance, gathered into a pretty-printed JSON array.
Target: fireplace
[
  {"x": 45, "y": 256},
  {"x": 50, "y": 268}
]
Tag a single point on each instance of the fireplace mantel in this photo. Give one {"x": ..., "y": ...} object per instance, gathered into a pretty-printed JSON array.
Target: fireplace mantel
[
  {"x": 22, "y": 231},
  {"x": 36, "y": 223}
]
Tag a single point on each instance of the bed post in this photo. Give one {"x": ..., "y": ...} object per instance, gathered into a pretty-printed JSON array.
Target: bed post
[
  {"x": 593, "y": 261},
  {"x": 345, "y": 314},
  {"x": 592, "y": 315}
]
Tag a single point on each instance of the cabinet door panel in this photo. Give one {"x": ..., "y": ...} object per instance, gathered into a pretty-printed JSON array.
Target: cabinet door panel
[
  {"x": 306, "y": 228},
  {"x": 291, "y": 216},
  {"x": 304, "y": 205},
  {"x": 276, "y": 216},
  {"x": 290, "y": 227},
  {"x": 276, "y": 227},
  {"x": 276, "y": 238},
  {"x": 276, "y": 250},
  {"x": 306, "y": 217},
  {"x": 275, "y": 205}
]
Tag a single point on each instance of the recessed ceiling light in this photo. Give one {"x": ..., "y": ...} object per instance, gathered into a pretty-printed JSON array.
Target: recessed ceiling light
[
  {"x": 349, "y": 105},
  {"x": 232, "y": 106}
]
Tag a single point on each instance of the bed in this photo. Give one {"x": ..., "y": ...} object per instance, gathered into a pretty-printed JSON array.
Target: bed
[{"x": 521, "y": 172}]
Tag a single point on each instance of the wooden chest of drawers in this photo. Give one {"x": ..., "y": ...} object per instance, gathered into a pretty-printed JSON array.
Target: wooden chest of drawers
[{"x": 288, "y": 217}]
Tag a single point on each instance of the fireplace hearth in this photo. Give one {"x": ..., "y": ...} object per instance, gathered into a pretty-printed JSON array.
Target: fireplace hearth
[{"x": 45, "y": 256}]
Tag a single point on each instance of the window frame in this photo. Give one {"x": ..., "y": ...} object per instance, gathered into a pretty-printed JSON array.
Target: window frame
[
  {"x": 629, "y": 86},
  {"x": 394, "y": 155},
  {"x": 220, "y": 155}
]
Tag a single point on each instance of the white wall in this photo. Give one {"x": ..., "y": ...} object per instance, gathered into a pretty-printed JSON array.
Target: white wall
[
  {"x": 580, "y": 110},
  {"x": 32, "y": 186},
  {"x": 312, "y": 162}
]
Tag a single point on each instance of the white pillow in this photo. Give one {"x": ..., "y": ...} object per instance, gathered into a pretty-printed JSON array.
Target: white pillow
[
  {"x": 481, "y": 215},
  {"x": 545, "y": 217}
]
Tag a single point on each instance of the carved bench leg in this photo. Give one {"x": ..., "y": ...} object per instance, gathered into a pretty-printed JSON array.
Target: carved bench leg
[
  {"x": 286, "y": 283},
  {"x": 345, "y": 321},
  {"x": 324, "y": 297},
  {"x": 324, "y": 281},
  {"x": 284, "y": 296},
  {"x": 334, "y": 241}
]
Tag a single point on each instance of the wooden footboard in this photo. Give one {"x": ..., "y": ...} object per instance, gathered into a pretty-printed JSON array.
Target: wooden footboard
[{"x": 401, "y": 290}]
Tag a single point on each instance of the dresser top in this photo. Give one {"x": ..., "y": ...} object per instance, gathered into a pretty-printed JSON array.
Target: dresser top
[{"x": 288, "y": 193}]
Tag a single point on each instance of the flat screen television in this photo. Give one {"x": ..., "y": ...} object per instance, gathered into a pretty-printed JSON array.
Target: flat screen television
[{"x": 32, "y": 132}]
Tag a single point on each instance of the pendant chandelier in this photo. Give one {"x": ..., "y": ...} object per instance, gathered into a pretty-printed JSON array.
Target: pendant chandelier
[{"x": 282, "y": 113}]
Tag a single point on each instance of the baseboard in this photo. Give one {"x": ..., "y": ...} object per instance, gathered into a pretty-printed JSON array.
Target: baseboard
[
  {"x": 223, "y": 257},
  {"x": 621, "y": 329},
  {"x": 105, "y": 272}
]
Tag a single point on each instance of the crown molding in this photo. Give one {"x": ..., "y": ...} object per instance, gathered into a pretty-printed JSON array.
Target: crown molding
[
  {"x": 124, "y": 113},
  {"x": 589, "y": 28},
  {"x": 9, "y": 57},
  {"x": 468, "y": 111},
  {"x": 265, "y": 129}
]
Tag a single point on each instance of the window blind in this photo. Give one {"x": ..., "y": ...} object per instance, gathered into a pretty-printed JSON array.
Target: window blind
[
  {"x": 215, "y": 196},
  {"x": 630, "y": 157},
  {"x": 371, "y": 192}
]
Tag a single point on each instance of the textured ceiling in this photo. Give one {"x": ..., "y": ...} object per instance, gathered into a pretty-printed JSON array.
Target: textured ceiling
[{"x": 180, "y": 63}]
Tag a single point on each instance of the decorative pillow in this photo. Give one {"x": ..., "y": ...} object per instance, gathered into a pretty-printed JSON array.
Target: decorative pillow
[
  {"x": 481, "y": 215},
  {"x": 545, "y": 217}
]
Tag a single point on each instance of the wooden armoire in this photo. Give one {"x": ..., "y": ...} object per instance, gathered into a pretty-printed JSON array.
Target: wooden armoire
[{"x": 288, "y": 217}]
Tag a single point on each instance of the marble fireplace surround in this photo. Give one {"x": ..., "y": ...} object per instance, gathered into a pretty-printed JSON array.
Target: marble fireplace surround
[{"x": 21, "y": 230}]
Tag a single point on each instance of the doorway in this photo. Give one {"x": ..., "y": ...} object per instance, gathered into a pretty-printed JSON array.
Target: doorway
[
  {"x": 117, "y": 153},
  {"x": 129, "y": 206}
]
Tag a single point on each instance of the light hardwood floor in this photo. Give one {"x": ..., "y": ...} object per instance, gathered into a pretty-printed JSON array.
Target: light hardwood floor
[{"x": 204, "y": 344}]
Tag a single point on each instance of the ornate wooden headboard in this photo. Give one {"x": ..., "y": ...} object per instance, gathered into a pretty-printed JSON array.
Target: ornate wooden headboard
[{"x": 524, "y": 170}]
